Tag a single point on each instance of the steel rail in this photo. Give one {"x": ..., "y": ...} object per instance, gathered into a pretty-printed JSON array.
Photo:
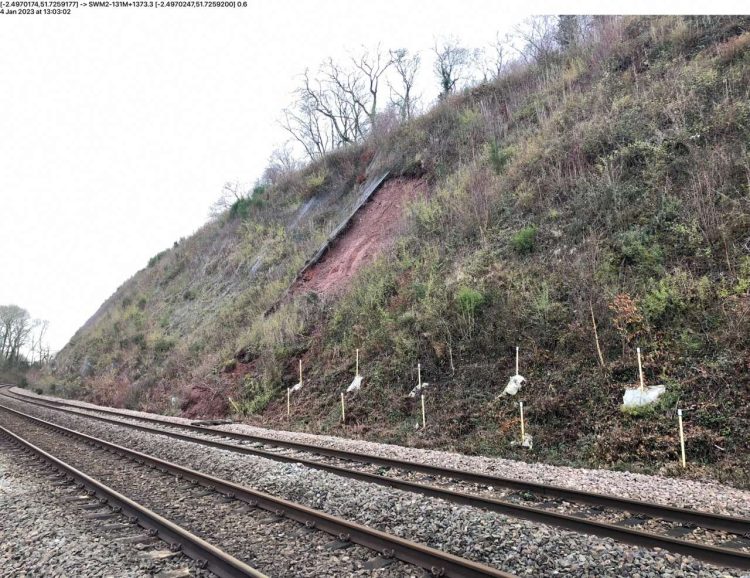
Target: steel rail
[
  {"x": 713, "y": 554},
  {"x": 731, "y": 524},
  {"x": 207, "y": 555},
  {"x": 435, "y": 561}
]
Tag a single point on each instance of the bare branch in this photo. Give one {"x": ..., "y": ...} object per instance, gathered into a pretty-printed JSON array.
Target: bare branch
[
  {"x": 372, "y": 66},
  {"x": 539, "y": 35},
  {"x": 406, "y": 66}
]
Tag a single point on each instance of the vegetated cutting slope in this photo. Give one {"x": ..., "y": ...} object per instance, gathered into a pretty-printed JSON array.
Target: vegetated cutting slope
[
  {"x": 609, "y": 182},
  {"x": 179, "y": 321}
]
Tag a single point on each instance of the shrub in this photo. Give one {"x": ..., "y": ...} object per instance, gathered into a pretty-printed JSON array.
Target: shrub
[
  {"x": 523, "y": 241},
  {"x": 314, "y": 183},
  {"x": 240, "y": 209},
  {"x": 733, "y": 48},
  {"x": 197, "y": 346},
  {"x": 163, "y": 344},
  {"x": 139, "y": 340},
  {"x": 156, "y": 258},
  {"x": 742, "y": 284},
  {"x": 256, "y": 396},
  {"x": 469, "y": 300},
  {"x": 428, "y": 216},
  {"x": 665, "y": 300},
  {"x": 640, "y": 250},
  {"x": 626, "y": 318},
  {"x": 499, "y": 156}
]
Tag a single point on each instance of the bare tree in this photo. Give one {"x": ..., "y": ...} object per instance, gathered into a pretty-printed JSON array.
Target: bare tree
[
  {"x": 496, "y": 57},
  {"x": 574, "y": 30},
  {"x": 568, "y": 31},
  {"x": 281, "y": 162},
  {"x": 342, "y": 99},
  {"x": 539, "y": 38},
  {"x": 230, "y": 194},
  {"x": 308, "y": 127},
  {"x": 451, "y": 62},
  {"x": 402, "y": 96},
  {"x": 325, "y": 114},
  {"x": 37, "y": 346},
  {"x": 339, "y": 105},
  {"x": 371, "y": 66}
]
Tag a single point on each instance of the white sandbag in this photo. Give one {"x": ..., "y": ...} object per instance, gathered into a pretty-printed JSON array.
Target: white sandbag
[
  {"x": 418, "y": 389},
  {"x": 514, "y": 385},
  {"x": 638, "y": 398},
  {"x": 528, "y": 442},
  {"x": 355, "y": 385},
  {"x": 296, "y": 387}
]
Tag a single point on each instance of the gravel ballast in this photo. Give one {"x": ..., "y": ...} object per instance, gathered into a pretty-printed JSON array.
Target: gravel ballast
[
  {"x": 43, "y": 533},
  {"x": 706, "y": 496},
  {"x": 275, "y": 545},
  {"x": 516, "y": 546}
]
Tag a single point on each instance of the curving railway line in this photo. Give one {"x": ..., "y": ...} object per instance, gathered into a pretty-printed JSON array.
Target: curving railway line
[
  {"x": 721, "y": 540},
  {"x": 156, "y": 481}
]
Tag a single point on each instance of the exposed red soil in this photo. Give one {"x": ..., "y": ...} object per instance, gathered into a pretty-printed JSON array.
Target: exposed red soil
[{"x": 372, "y": 230}]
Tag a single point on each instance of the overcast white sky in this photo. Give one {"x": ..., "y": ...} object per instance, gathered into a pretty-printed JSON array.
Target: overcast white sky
[{"x": 119, "y": 127}]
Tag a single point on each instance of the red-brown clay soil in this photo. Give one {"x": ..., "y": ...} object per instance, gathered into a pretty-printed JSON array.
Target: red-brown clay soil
[{"x": 372, "y": 230}]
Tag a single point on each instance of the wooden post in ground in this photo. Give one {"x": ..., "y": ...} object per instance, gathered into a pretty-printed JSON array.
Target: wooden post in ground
[
  {"x": 288, "y": 403},
  {"x": 596, "y": 335},
  {"x": 343, "y": 411},
  {"x": 424, "y": 420},
  {"x": 640, "y": 368},
  {"x": 523, "y": 429},
  {"x": 682, "y": 438},
  {"x": 517, "y": 360}
]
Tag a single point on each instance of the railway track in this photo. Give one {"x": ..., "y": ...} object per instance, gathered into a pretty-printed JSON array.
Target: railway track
[
  {"x": 98, "y": 495},
  {"x": 597, "y": 514},
  {"x": 228, "y": 512}
]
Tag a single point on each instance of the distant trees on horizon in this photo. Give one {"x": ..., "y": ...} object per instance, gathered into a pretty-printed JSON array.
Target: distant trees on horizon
[{"x": 22, "y": 339}]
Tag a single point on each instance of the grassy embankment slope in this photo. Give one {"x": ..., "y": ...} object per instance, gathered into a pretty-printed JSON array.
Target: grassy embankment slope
[{"x": 612, "y": 180}]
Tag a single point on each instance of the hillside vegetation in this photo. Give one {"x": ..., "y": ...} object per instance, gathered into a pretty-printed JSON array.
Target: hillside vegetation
[{"x": 607, "y": 182}]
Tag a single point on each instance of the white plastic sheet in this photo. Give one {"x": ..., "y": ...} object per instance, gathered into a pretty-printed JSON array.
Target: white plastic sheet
[
  {"x": 296, "y": 387},
  {"x": 355, "y": 385},
  {"x": 514, "y": 385},
  {"x": 638, "y": 398},
  {"x": 528, "y": 442},
  {"x": 418, "y": 389}
]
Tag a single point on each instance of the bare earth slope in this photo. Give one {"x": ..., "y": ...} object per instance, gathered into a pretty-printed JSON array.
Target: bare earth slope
[{"x": 374, "y": 229}]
